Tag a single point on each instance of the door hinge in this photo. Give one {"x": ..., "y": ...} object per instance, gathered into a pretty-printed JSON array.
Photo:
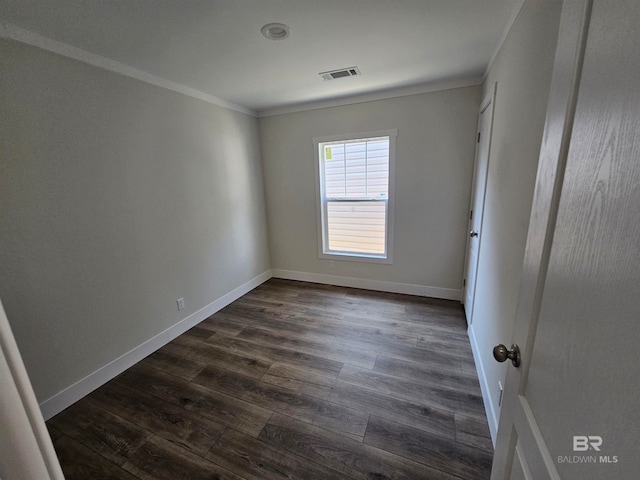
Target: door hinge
[{"x": 478, "y": 137}]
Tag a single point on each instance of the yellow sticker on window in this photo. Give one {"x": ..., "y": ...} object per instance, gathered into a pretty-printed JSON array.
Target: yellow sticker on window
[{"x": 327, "y": 153}]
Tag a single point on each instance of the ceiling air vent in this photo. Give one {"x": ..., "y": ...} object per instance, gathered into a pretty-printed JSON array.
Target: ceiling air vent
[{"x": 343, "y": 72}]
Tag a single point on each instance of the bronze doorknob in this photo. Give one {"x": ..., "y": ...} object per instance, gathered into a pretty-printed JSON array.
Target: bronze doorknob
[{"x": 501, "y": 354}]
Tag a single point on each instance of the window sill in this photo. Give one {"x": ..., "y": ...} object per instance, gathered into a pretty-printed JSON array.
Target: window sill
[{"x": 355, "y": 257}]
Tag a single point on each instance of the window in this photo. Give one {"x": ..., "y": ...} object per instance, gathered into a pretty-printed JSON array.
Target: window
[{"x": 355, "y": 195}]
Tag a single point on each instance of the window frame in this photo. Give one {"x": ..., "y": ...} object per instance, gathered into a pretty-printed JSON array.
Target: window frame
[{"x": 321, "y": 201}]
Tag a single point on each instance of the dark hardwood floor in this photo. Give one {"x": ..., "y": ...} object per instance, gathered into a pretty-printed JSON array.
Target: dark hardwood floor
[{"x": 292, "y": 381}]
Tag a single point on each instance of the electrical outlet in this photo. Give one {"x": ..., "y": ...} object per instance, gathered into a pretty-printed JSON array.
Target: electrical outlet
[
  {"x": 180, "y": 303},
  {"x": 331, "y": 264},
  {"x": 501, "y": 392}
]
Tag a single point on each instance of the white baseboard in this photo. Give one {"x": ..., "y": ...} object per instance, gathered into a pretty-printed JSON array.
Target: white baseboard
[
  {"x": 382, "y": 286},
  {"x": 492, "y": 416},
  {"x": 75, "y": 392}
]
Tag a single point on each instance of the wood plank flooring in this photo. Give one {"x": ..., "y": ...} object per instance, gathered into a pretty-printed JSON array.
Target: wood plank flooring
[{"x": 292, "y": 381}]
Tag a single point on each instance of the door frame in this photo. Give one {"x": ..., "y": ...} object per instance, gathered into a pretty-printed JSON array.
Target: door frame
[
  {"x": 26, "y": 450},
  {"x": 489, "y": 101}
]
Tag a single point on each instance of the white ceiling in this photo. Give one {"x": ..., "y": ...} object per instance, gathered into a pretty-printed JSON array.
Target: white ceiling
[{"x": 216, "y": 47}]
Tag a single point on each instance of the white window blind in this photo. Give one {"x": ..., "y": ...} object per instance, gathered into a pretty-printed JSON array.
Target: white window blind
[{"x": 354, "y": 191}]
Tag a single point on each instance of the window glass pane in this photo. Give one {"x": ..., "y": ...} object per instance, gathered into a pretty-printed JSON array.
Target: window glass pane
[
  {"x": 356, "y": 226},
  {"x": 378, "y": 168},
  {"x": 334, "y": 170},
  {"x": 356, "y": 169}
]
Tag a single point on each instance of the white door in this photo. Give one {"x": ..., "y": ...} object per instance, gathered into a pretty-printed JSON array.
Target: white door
[
  {"x": 485, "y": 119},
  {"x": 571, "y": 409}
]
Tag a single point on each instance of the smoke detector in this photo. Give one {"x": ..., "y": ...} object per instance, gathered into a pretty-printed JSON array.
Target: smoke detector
[
  {"x": 276, "y": 31},
  {"x": 341, "y": 73}
]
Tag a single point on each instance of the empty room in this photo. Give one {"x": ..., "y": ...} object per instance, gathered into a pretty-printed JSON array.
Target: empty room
[{"x": 319, "y": 239}]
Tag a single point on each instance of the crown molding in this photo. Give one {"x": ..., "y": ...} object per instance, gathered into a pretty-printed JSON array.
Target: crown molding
[
  {"x": 28, "y": 37},
  {"x": 373, "y": 96}
]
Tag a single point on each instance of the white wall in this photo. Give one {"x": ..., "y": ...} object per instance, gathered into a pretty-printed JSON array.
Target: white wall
[
  {"x": 522, "y": 69},
  {"x": 434, "y": 163},
  {"x": 117, "y": 198}
]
